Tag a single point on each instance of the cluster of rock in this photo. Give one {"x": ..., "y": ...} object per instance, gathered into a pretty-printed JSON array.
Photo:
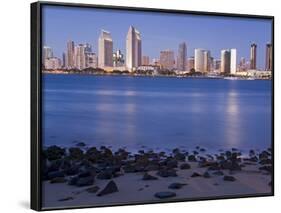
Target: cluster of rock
[{"x": 80, "y": 166}]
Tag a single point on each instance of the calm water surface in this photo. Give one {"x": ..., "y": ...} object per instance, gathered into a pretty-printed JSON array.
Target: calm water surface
[{"x": 156, "y": 112}]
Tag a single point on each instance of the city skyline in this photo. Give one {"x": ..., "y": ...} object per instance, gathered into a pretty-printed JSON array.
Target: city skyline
[{"x": 83, "y": 25}]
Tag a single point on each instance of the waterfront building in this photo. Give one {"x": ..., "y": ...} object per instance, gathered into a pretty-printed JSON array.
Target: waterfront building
[
  {"x": 167, "y": 59},
  {"x": 233, "y": 61},
  {"x": 145, "y": 60},
  {"x": 217, "y": 64},
  {"x": 268, "y": 57},
  {"x": 190, "y": 63},
  {"x": 225, "y": 61},
  {"x": 105, "y": 50},
  {"x": 242, "y": 64},
  {"x": 70, "y": 55},
  {"x": 118, "y": 59},
  {"x": 52, "y": 63},
  {"x": 253, "y": 56},
  {"x": 133, "y": 49},
  {"x": 80, "y": 57},
  {"x": 46, "y": 53},
  {"x": 181, "y": 59},
  {"x": 63, "y": 60},
  {"x": 202, "y": 60},
  {"x": 91, "y": 60}
]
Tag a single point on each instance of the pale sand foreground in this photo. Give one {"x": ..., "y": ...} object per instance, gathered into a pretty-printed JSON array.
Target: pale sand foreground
[{"x": 132, "y": 188}]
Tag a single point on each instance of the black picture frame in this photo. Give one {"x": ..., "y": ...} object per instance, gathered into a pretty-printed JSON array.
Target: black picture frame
[{"x": 36, "y": 94}]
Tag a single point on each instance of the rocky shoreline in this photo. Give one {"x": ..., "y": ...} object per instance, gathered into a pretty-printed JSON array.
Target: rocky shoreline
[{"x": 84, "y": 174}]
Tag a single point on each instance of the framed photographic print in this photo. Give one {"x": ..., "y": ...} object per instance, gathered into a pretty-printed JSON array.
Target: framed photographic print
[{"x": 140, "y": 105}]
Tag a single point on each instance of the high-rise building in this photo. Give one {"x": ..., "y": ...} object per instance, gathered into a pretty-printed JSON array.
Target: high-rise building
[
  {"x": 145, "y": 60},
  {"x": 268, "y": 57},
  {"x": 242, "y": 64},
  {"x": 233, "y": 61},
  {"x": 217, "y": 64},
  {"x": 133, "y": 49},
  {"x": 70, "y": 55},
  {"x": 118, "y": 59},
  {"x": 253, "y": 56},
  {"x": 105, "y": 50},
  {"x": 80, "y": 57},
  {"x": 63, "y": 60},
  {"x": 225, "y": 61},
  {"x": 52, "y": 63},
  {"x": 88, "y": 48},
  {"x": 190, "y": 63},
  {"x": 202, "y": 60},
  {"x": 182, "y": 54},
  {"x": 46, "y": 53},
  {"x": 167, "y": 59},
  {"x": 91, "y": 60}
]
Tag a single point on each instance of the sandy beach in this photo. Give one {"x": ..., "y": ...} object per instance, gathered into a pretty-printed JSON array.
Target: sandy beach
[{"x": 151, "y": 176}]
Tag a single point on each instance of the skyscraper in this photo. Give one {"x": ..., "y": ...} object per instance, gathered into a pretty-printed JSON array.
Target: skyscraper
[
  {"x": 63, "y": 60},
  {"x": 105, "y": 50},
  {"x": 233, "y": 61},
  {"x": 167, "y": 59},
  {"x": 133, "y": 48},
  {"x": 46, "y": 53},
  {"x": 145, "y": 60},
  {"x": 202, "y": 60},
  {"x": 225, "y": 61},
  {"x": 268, "y": 57},
  {"x": 190, "y": 63},
  {"x": 181, "y": 60},
  {"x": 80, "y": 57},
  {"x": 118, "y": 59},
  {"x": 70, "y": 54},
  {"x": 253, "y": 56},
  {"x": 91, "y": 60}
]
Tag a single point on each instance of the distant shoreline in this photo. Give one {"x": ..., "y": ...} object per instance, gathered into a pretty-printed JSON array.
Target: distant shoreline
[{"x": 153, "y": 76}]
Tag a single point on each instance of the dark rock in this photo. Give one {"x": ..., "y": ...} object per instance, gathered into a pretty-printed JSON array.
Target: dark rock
[
  {"x": 229, "y": 178},
  {"x": 85, "y": 181},
  {"x": 195, "y": 152},
  {"x": 195, "y": 174},
  {"x": 81, "y": 144},
  {"x": 265, "y": 161},
  {"x": 163, "y": 195},
  {"x": 111, "y": 187},
  {"x": 264, "y": 155},
  {"x": 151, "y": 167},
  {"x": 167, "y": 173},
  {"x": 266, "y": 168},
  {"x": 252, "y": 153},
  {"x": 75, "y": 153},
  {"x": 202, "y": 150},
  {"x": 53, "y": 153},
  {"x": 86, "y": 174},
  {"x": 147, "y": 176},
  {"x": 66, "y": 199},
  {"x": 176, "y": 185},
  {"x": 185, "y": 166},
  {"x": 206, "y": 175},
  {"x": 105, "y": 175},
  {"x": 73, "y": 180},
  {"x": 172, "y": 164},
  {"x": 191, "y": 158},
  {"x": 55, "y": 174},
  {"x": 129, "y": 169},
  {"x": 180, "y": 156},
  {"x": 93, "y": 189},
  {"x": 58, "y": 180}
]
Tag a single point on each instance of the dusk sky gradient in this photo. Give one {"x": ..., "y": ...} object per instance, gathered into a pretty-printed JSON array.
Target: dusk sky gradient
[{"x": 159, "y": 31}]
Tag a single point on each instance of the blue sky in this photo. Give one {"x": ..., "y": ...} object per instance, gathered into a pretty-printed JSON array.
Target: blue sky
[{"x": 159, "y": 31}]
